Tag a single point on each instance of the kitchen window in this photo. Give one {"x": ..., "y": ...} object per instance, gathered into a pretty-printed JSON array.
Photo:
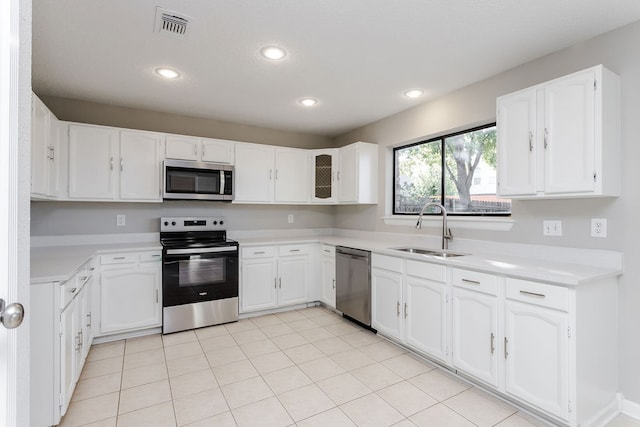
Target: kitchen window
[{"x": 457, "y": 170}]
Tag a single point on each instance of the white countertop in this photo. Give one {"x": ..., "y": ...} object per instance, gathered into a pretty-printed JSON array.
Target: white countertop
[{"x": 59, "y": 263}]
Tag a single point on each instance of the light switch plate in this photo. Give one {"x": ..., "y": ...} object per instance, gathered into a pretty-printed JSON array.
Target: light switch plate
[{"x": 552, "y": 228}]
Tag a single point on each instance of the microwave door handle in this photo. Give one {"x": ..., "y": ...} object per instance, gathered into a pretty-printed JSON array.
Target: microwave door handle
[{"x": 221, "y": 182}]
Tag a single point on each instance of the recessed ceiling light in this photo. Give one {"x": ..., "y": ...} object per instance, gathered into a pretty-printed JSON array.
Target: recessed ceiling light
[
  {"x": 308, "y": 102},
  {"x": 413, "y": 93},
  {"x": 273, "y": 52},
  {"x": 168, "y": 73}
]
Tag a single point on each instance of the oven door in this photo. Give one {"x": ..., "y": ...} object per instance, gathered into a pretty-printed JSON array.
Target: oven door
[{"x": 196, "y": 275}]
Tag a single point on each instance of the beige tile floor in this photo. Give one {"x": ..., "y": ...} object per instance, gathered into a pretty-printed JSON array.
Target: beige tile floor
[{"x": 300, "y": 368}]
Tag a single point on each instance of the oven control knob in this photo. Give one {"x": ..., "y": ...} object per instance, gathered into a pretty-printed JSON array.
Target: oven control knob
[
  {"x": 215, "y": 222},
  {"x": 166, "y": 223},
  {"x": 221, "y": 222},
  {"x": 173, "y": 223}
]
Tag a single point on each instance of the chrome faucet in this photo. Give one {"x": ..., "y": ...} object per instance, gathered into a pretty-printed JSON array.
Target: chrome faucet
[{"x": 446, "y": 232}]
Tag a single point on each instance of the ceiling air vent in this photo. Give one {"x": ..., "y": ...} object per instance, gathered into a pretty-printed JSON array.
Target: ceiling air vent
[{"x": 171, "y": 23}]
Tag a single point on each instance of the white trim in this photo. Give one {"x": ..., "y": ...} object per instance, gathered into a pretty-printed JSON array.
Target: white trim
[
  {"x": 629, "y": 408},
  {"x": 491, "y": 223}
]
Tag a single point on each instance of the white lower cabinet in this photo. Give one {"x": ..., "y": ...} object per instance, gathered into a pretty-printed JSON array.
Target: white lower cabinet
[
  {"x": 274, "y": 276},
  {"x": 328, "y": 275},
  {"x": 410, "y": 303},
  {"x": 130, "y": 292},
  {"x": 61, "y": 335}
]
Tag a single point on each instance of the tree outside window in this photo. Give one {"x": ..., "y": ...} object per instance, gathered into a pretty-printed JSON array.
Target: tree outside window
[{"x": 457, "y": 170}]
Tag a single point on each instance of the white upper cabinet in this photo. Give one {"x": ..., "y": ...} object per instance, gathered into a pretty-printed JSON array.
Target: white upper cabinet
[
  {"x": 357, "y": 173},
  {"x": 93, "y": 162},
  {"x": 140, "y": 165},
  {"x": 45, "y": 156},
  {"x": 561, "y": 138},
  {"x": 200, "y": 149},
  {"x": 108, "y": 164},
  {"x": 266, "y": 174}
]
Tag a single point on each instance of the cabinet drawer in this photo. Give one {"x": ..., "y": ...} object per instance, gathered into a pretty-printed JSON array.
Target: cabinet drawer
[
  {"x": 259, "y": 252},
  {"x": 328, "y": 250},
  {"x": 285, "y": 250},
  {"x": 427, "y": 270},
  {"x": 480, "y": 282},
  {"x": 118, "y": 258},
  {"x": 538, "y": 293},
  {"x": 386, "y": 262},
  {"x": 68, "y": 290},
  {"x": 150, "y": 256}
]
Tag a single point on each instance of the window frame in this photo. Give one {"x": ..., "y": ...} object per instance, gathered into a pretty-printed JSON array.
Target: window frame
[{"x": 441, "y": 139}]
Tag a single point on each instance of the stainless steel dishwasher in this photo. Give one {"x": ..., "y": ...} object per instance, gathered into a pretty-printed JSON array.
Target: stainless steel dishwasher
[{"x": 353, "y": 283}]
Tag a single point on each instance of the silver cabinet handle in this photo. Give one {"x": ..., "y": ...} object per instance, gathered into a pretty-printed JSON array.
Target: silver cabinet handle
[
  {"x": 530, "y": 141},
  {"x": 334, "y": 283},
  {"x": 280, "y": 282},
  {"x": 492, "y": 344},
  {"x": 533, "y": 294},
  {"x": 294, "y": 250},
  {"x": 121, "y": 164},
  {"x": 89, "y": 320},
  {"x": 111, "y": 163},
  {"x": 338, "y": 175},
  {"x": 203, "y": 151},
  {"x": 398, "y": 308},
  {"x": 326, "y": 250},
  {"x": 195, "y": 150},
  {"x": 73, "y": 290},
  {"x": 276, "y": 174},
  {"x": 546, "y": 138},
  {"x": 275, "y": 283},
  {"x": 473, "y": 282},
  {"x": 259, "y": 253},
  {"x": 157, "y": 297},
  {"x": 119, "y": 257},
  {"x": 270, "y": 174},
  {"x": 406, "y": 311},
  {"x": 506, "y": 342}
]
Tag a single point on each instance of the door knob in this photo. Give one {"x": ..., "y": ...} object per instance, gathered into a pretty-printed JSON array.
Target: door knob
[{"x": 12, "y": 315}]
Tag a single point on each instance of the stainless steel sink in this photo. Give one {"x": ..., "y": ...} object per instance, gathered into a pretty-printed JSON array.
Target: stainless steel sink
[{"x": 432, "y": 252}]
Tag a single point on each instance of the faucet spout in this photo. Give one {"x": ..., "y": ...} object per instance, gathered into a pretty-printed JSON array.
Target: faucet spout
[{"x": 446, "y": 232}]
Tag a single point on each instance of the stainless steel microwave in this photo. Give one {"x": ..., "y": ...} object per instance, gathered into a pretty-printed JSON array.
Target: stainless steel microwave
[{"x": 191, "y": 180}]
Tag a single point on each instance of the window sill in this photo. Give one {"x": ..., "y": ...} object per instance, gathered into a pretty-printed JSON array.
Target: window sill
[{"x": 472, "y": 223}]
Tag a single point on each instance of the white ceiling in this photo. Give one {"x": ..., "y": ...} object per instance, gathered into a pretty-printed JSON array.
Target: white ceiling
[{"x": 357, "y": 57}]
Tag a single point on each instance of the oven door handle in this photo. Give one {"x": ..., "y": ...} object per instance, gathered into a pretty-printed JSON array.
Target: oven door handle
[{"x": 200, "y": 250}]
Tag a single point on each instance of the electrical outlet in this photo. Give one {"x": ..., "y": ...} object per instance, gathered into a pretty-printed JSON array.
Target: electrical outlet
[
  {"x": 552, "y": 228},
  {"x": 598, "y": 227},
  {"x": 290, "y": 218},
  {"x": 121, "y": 220}
]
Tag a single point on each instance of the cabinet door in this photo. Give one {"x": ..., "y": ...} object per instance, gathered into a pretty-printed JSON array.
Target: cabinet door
[
  {"x": 93, "y": 154},
  {"x": 217, "y": 150},
  {"x": 475, "y": 334},
  {"x": 324, "y": 168},
  {"x": 293, "y": 273},
  {"x": 348, "y": 174},
  {"x": 69, "y": 350},
  {"x": 329, "y": 279},
  {"x": 182, "y": 147},
  {"x": 254, "y": 174},
  {"x": 425, "y": 314},
  {"x": 570, "y": 134},
  {"x": 536, "y": 355},
  {"x": 40, "y": 147},
  {"x": 130, "y": 298},
  {"x": 386, "y": 297},
  {"x": 140, "y": 166},
  {"x": 516, "y": 147},
  {"x": 85, "y": 318},
  {"x": 259, "y": 284},
  {"x": 292, "y": 175}
]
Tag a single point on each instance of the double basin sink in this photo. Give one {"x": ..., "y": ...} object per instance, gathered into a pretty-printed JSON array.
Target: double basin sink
[{"x": 430, "y": 252}]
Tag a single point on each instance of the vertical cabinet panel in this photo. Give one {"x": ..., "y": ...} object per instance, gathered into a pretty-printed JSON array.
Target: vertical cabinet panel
[
  {"x": 291, "y": 175},
  {"x": 140, "y": 165},
  {"x": 536, "y": 356},
  {"x": 386, "y": 297},
  {"x": 516, "y": 136},
  {"x": 328, "y": 261},
  {"x": 570, "y": 134},
  {"x": 293, "y": 276},
  {"x": 182, "y": 147},
  {"x": 259, "y": 284},
  {"x": 348, "y": 174},
  {"x": 254, "y": 174},
  {"x": 93, "y": 154},
  {"x": 217, "y": 151},
  {"x": 426, "y": 316},
  {"x": 475, "y": 334}
]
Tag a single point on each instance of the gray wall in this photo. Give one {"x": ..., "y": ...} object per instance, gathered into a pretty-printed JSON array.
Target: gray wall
[
  {"x": 475, "y": 104},
  {"x": 65, "y": 218},
  {"x": 110, "y": 115}
]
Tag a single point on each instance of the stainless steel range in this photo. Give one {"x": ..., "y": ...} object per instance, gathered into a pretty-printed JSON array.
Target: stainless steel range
[{"x": 199, "y": 274}]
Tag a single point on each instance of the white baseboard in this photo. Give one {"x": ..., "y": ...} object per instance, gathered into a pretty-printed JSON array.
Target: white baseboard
[{"x": 629, "y": 408}]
